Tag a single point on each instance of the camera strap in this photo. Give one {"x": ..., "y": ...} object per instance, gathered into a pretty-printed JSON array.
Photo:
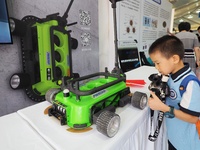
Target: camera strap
[
  {"x": 159, "y": 123},
  {"x": 160, "y": 87}
]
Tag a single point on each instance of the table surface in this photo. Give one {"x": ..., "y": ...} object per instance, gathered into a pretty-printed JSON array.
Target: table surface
[
  {"x": 16, "y": 134},
  {"x": 133, "y": 132}
]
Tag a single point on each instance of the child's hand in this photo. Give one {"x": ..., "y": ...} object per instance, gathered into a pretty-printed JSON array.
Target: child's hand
[{"x": 155, "y": 103}]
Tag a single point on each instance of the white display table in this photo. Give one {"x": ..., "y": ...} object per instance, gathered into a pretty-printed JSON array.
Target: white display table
[
  {"x": 17, "y": 134},
  {"x": 132, "y": 135}
]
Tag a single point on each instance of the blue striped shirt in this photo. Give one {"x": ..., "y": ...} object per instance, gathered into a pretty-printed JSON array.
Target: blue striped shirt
[{"x": 181, "y": 134}]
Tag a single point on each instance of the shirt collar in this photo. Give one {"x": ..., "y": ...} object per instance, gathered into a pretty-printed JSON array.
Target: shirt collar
[{"x": 182, "y": 72}]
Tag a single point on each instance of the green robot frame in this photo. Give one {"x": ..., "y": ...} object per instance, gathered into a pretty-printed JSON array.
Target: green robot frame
[
  {"x": 79, "y": 104},
  {"x": 46, "y": 47}
]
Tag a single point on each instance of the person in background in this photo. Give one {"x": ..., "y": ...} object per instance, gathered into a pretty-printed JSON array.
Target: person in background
[
  {"x": 191, "y": 45},
  {"x": 167, "y": 54},
  {"x": 198, "y": 33}
]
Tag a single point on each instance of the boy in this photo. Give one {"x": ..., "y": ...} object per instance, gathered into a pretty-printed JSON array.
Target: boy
[{"x": 167, "y": 53}]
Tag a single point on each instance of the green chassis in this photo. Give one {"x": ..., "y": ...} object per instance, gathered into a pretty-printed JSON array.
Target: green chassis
[
  {"x": 46, "y": 56},
  {"x": 79, "y": 106},
  {"x": 54, "y": 56}
]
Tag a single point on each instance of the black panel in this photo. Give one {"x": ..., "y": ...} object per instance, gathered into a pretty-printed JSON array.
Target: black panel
[{"x": 129, "y": 59}]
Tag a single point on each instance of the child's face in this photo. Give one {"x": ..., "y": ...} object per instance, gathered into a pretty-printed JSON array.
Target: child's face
[{"x": 163, "y": 65}]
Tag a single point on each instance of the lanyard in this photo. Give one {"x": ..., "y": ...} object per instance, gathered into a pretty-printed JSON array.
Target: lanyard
[
  {"x": 161, "y": 89},
  {"x": 159, "y": 123}
]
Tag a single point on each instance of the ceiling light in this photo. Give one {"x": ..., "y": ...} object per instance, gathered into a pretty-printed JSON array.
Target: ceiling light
[
  {"x": 190, "y": 16},
  {"x": 198, "y": 11},
  {"x": 181, "y": 20}
]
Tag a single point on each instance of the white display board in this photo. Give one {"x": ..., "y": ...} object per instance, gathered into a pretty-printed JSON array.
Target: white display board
[
  {"x": 149, "y": 19},
  {"x": 155, "y": 21},
  {"x": 140, "y": 22},
  {"x": 128, "y": 23}
]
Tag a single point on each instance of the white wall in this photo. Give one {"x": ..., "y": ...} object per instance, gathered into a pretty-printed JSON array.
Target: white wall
[{"x": 106, "y": 36}]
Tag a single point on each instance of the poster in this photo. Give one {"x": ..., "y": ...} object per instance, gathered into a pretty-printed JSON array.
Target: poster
[
  {"x": 155, "y": 21},
  {"x": 128, "y": 23},
  {"x": 140, "y": 23}
]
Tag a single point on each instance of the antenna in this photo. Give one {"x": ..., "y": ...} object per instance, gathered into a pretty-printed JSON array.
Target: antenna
[
  {"x": 113, "y": 5},
  {"x": 67, "y": 11}
]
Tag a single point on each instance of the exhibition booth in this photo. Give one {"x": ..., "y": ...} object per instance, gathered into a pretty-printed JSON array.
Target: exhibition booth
[
  {"x": 54, "y": 52},
  {"x": 32, "y": 128}
]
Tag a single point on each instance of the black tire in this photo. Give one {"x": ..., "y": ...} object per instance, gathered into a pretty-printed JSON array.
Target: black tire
[
  {"x": 139, "y": 100},
  {"x": 19, "y": 81},
  {"x": 50, "y": 95},
  {"x": 108, "y": 123}
]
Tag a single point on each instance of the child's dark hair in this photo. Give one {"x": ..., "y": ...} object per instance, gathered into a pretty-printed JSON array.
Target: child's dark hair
[{"x": 168, "y": 46}]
